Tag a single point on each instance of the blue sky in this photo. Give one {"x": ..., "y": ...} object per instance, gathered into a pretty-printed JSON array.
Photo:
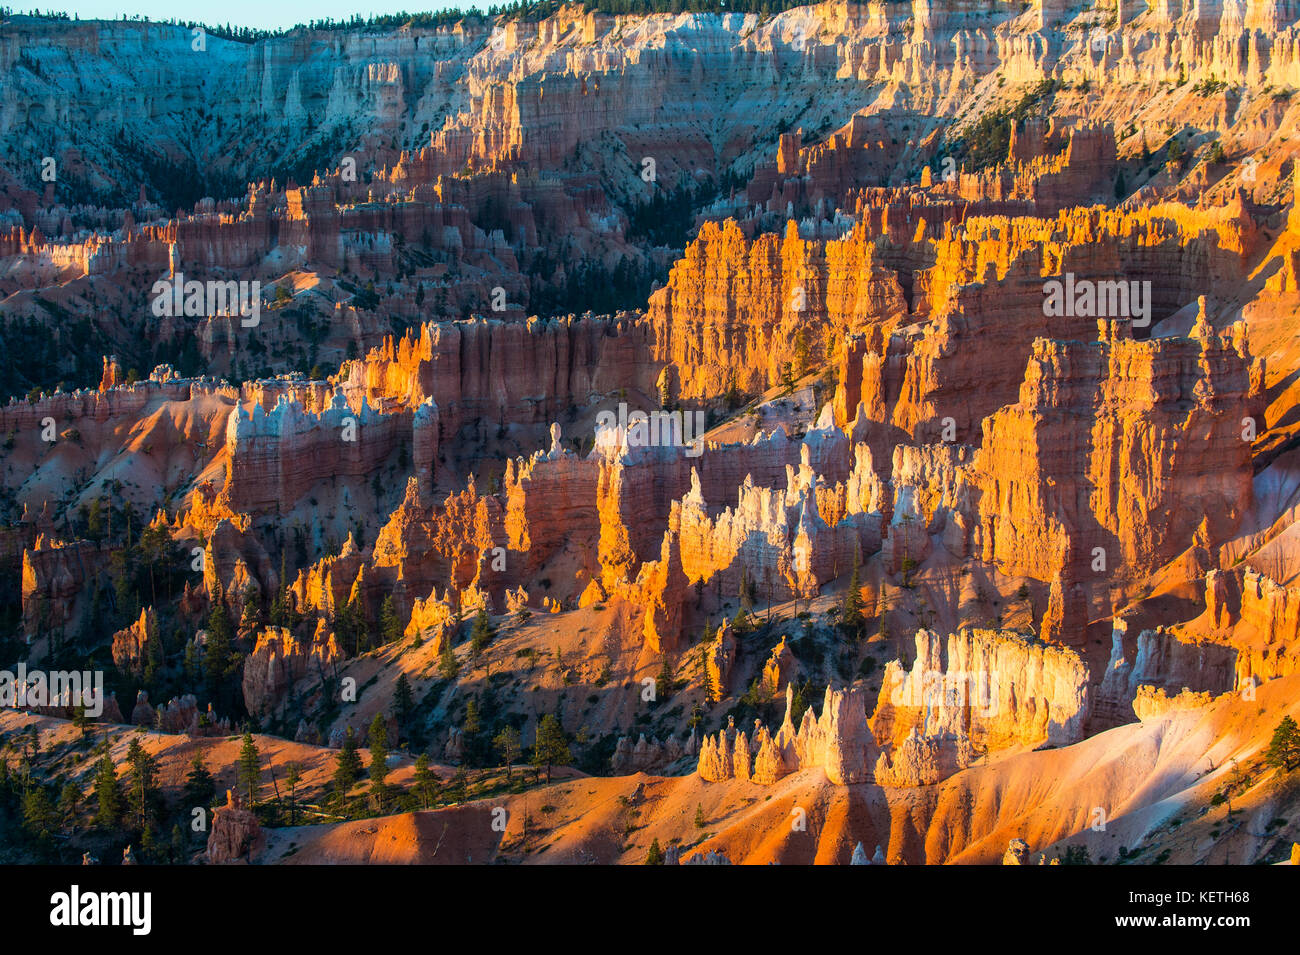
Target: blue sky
[{"x": 265, "y": 15}]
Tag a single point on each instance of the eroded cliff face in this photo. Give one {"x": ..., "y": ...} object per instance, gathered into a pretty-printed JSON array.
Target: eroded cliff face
[
  {"x": 838, "y": 743},
  {"x": 493, "y": 373},
  {"x": 1259, "y": 617},
  {"x": 1160, "y": 466},
  {"x": 988, "y": 390},
  {"x": 278, "y": 661},
  {"x": 997, "y": 689},
  {"x": 746, "y": 313},
  {"x": 982, "y": 692}
]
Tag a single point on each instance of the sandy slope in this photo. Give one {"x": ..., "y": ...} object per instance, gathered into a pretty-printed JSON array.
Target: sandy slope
[{"x": 1141, "y": 775}]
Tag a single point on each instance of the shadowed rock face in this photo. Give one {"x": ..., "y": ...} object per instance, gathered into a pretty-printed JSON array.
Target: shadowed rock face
[{"x": 236, "y": 834}]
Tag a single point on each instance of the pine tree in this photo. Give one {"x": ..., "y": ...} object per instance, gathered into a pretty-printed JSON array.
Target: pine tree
[
  {"x": 447, "y": 664},
  {"x": 851, "y": 614},
  {"x": 355, "y": 624},
  {"x": 470, "y": 729},
  {"x": 219, "y": 660},
  {"x": 280, "y": 602},
  {"x": 69, "y": 800},
  {"x": 38, "y": 814},
  {"x": 507, "y": 744},
  {"x": 292, "y": 775},
  {"x": 378, "y": 760},
  {"x": 249, "y": 769},
  {"x": 108, "y": 793},
  {"x": 149, "y": 841},
  {"x": 802, "y": 357},
  {"x": 740, "y": 623},
  {"x": 426, "y": 783},
  {"x": 656, "y": 855},
  {"x": 142, "y": 789},
  {"x": 199, "y": 785},
  {"x": 459, "y": 785},
  {"x": 347, "y": 769},
  {"x": 403, "y": 702},
  {"x": 481, "y": 634},
  {"x": 1284, "y": 749},
  {"x": 176, "y": 852},
  {"x": 390, "y": 625},
  {"x": 664, "y": 682},
  {"x": 551, "y": 748}
]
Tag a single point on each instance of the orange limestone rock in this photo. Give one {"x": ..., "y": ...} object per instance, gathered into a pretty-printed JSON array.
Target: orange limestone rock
[
  {"x": 236, "y": 834},
  {"x": 741, "y": 312},
  {"x": 839, "y": 742},
  {"x": 1163, "y": 659},
  {"x": 131, "y": 645},
  {"x": 779, "y": 669},
  {"x": 775, "y": 538},
  {"x": 997, "y": 688},
  {"x": 432, "y": 618},
  {"x": 279, "y": 660},
  {"x": 277, "y": 456},
  {"x": 53, "y": 574},
  {"x": 1259, "y": 617},
  {"x": 1161, "y": 465}
]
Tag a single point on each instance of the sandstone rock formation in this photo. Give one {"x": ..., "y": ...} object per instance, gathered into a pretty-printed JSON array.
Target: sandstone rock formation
[
  {"x": 838, "y": 742},
  {"x": 236, "y": 834},
  {"x": 279, "y": 660}
]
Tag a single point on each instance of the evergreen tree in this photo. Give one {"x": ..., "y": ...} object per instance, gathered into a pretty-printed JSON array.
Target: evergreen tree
[
  {"x": 664, "y": 682},
  {"x": 740, "y": 623},
  {"x": 426, "y": 783},
  {"x": 69, "y": 801},
  {"x": 551, "y": 748},
  {"x": 39, "y": 819},
  {"x": 149, "y": 841},
  {"x": 459, "y": 786},
  {"x": 199, "y": 785},
  {"x": 142, "y": 784},
  {"x": 656, "y": 855},
  {"x": 219, "y": 659},
  {"x": 378, "y": 760},
  {"x": 403, "y": 702},
  {"x": 347, "y": 769},
  {"x": 507, "y": 744},
  {"x": 851, "y": 614},
  {"x": 447, "y": 664},
  {"x": 390, "y": 625},
  {"x": 108, "y": 794},
  {"x": 176, "y": 852},
  {"x": 249, "y": 770},
  {"x": 802, "y": 355},
  {"x": 1284, "y": 749},
  {"x": 292, "y": 775},
  {"x": 481, "y": 634}
]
